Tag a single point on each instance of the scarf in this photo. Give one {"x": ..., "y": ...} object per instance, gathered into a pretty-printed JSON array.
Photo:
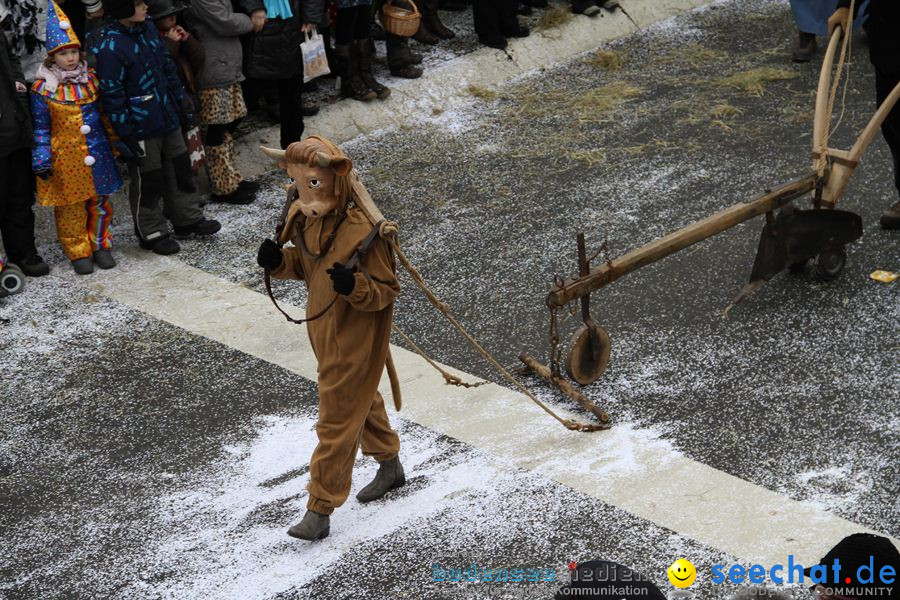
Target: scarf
[
  {"x": 53, "y": 75},
  {"x": 19, "y": 21},
  {"x": 278, "y": 9}
]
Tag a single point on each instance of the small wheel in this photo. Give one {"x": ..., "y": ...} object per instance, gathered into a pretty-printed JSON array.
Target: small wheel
[
  {"x": 12, "y": 280},
  {"x": 831, "y": 263},
  {"x": 586, "y": 362}
]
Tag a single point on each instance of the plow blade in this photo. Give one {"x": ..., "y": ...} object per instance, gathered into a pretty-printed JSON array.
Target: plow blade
[{"x": 795, "y": 236}]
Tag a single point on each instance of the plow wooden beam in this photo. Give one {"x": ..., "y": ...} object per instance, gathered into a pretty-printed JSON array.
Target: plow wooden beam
[{"x": 600, "y": 276}]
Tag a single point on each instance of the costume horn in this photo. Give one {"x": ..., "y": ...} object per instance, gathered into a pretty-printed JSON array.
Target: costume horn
[
  {"x": 323, "y": 160},
  {"x": 272, "y": 153}
]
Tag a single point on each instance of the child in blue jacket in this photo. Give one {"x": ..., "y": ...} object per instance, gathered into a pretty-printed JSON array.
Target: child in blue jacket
[{"x": 143, "y": 97}]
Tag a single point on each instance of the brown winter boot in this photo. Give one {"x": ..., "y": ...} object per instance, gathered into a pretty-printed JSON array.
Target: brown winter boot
[
  {"x": 433, "y": 20},
  {"x": 425, "y": 35},
  {"x": 352, "y": 86},
  {"x": 400, "y": 58},
  {"x": 389, "y": 476},
  {"x": 313, "y": 526},
  {"x": 366, "y": 49},
  {"x": 805, "y": 48}
]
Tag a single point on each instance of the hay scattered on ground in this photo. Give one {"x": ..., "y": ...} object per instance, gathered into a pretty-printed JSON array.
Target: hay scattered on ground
[
  {"x": 723, "y": 111},
  {"x": 554, "y": 17},
  {"x": 656, "y": 145},
  {"x": 594, "y": 156},
  {"x": 754, "y": 81},
  {"x": 694, "y": 55},
  {"x": 483, "y": 93},
  {"x": 722, "y": 125},
  {"x": 609, "y": 60},
  {"x": 592, "y": 105}
]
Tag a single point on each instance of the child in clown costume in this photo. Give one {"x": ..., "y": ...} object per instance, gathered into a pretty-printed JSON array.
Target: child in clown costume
[{"x": 72, "y": 155}]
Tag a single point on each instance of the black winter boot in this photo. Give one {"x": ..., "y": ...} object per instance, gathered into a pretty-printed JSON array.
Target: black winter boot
[
  {"x": 313, "y": 526},
  {"x": 400, "y": 58},
  {"x": 366, "y": 49},
  {"x": 389, "y": 476},
  {"x": 805, "y": 48},
  {"x": 433, "y": 21},
  {"x": 585, "y": 7},
  {"x": 352, "y": 86}
]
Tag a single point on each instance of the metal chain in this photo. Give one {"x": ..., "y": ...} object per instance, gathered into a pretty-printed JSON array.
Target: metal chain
[{"x": 554, "y": 343}]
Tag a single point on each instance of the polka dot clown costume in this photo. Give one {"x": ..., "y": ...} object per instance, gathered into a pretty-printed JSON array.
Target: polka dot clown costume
[{"x": 72, "y": 155}]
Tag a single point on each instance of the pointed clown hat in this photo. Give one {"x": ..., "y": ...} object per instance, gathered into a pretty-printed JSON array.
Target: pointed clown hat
[{"x": 60, "y": 34}]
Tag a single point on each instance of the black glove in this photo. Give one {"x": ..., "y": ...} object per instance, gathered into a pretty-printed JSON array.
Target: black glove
[
  {"x": 269, "y": 255},
  {"x": 342, "y": 278},
  {"x": 129, "y": 150},
  {"x": 125, "y": 153},
  {"x": 45, "y": 175}
]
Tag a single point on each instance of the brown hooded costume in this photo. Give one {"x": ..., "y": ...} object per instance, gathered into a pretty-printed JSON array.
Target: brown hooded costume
[{"x": 350, "y": 340}]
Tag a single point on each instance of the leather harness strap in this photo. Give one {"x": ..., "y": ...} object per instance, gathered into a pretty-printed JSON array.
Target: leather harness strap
[{"x": 355, "y": 260}]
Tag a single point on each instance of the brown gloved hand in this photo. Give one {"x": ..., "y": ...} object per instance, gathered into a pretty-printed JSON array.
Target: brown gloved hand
[{"x": 840, "y": 17}]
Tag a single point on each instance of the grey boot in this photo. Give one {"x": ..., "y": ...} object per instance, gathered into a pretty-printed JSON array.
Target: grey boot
[
  {"x": 314, "y": 526},
  {"x": 389, "y": 476}
]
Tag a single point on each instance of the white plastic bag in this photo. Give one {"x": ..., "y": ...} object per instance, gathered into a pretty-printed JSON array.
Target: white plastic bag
[{"x": 315, "y": 63}]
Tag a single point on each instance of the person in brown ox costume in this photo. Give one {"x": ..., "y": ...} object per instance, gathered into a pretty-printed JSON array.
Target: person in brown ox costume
[{"x": 349, "y": 312}]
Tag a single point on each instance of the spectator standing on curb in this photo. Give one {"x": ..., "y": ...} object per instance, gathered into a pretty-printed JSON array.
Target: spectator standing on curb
[
  {"x": 272, "y": 54},
  {"x": 431, "y": 30},
  {"x": 811, "y": 17},
  {"x": 401, "y": 60},
  {"x": 354, "y": 49},
  {"x": 147, "y": 105},
  {"x": 883, "y": 28},
  {"x": 17, "y": 191},
  {"x": 222, "y": 106},
  {"x": 187, "y": 52},
  {"x": 496, "y": 20},
  {"x": 72, "y": 156}
]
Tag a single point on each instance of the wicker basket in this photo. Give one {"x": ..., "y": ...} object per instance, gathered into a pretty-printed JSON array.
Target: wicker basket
[{"x": 400, "y": 21}]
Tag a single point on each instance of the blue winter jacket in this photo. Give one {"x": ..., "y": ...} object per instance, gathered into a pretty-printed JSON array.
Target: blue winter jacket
[{"x": 140, "y": 90}]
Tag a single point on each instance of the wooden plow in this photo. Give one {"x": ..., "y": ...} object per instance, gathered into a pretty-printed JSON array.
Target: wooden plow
[{"x": 790, "y": 238}]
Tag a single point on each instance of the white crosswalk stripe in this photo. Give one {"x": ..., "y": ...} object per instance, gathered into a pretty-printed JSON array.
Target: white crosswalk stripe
[{"x": 629, "y": 468}]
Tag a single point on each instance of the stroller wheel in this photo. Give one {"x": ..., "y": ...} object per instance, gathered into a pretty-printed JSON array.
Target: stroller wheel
[{"x": 12, "y": 280}]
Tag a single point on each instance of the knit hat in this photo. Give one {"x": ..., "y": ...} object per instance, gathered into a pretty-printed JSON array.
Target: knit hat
[
  {"x": 60, "y": 34},
  {"x": 163, "y": 8},
  {"x": 118, "y": 9}
]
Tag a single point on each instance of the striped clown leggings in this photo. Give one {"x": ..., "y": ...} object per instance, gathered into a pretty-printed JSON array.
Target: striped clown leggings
[{"x": 83, "y": 227}]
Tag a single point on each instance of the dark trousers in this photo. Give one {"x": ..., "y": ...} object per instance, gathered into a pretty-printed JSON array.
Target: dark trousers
[
  {"x": 493, "y": 18},
  {"x": 16, "y": 200},
  {"x": 291, "y": 117},
  {"x": 160, "y": 188},
  {"x": 885, "y": 83},
  {"x": 353, "y": 24}
]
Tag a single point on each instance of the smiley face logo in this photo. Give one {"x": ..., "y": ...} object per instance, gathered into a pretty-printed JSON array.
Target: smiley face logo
[{"x": 682, "y": 573}]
